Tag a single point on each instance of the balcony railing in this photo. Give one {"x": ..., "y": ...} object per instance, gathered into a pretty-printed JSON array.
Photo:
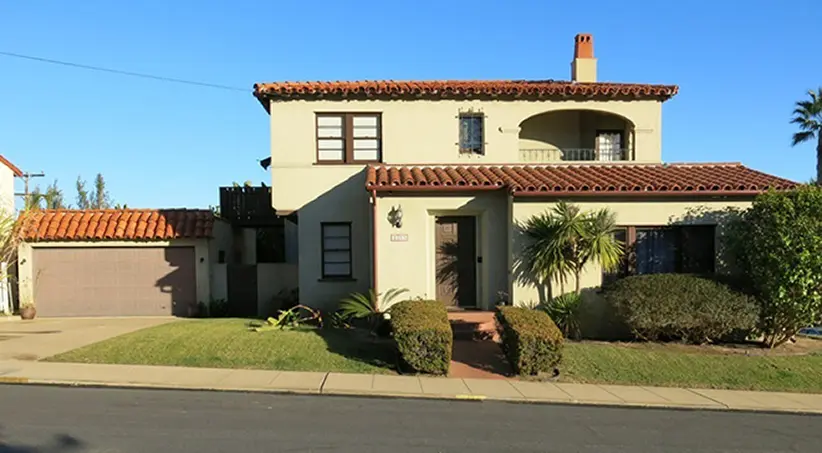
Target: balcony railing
[
  {"x": 543, "y": 155},
  {"x": 248, "y": 206}
]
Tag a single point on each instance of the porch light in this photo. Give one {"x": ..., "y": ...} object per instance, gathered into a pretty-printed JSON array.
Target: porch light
[{"x": 395, "y": 216}]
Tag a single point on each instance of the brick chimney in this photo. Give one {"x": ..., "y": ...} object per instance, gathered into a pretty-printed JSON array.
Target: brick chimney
[{"x": 584, "y": 66}]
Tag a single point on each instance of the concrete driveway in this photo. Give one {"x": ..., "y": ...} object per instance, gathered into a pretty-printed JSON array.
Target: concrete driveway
[{"x": 41, "y": 338}]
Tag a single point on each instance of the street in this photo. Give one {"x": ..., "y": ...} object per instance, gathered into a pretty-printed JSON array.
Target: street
[{"x": 60, "y": 419}]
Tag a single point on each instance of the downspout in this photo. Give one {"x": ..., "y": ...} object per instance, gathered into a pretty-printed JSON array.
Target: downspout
[{"x": 374, "y": 240}]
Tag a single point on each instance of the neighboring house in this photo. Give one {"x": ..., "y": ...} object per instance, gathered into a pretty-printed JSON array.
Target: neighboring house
[
  {"x": 421, "y": 184},
  {"x": 8, "y": 171}
]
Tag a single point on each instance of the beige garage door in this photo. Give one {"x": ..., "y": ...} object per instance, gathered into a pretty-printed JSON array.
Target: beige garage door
[{"x": 108, "y": 281}]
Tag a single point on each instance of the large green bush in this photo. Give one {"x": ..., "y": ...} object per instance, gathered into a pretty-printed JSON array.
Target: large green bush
[
  {"x": 777, "y": 247},
  {"x": 681, "y": 306},
  {"x": 423, "y": 335},
  {"x": 530, "y": 339}
]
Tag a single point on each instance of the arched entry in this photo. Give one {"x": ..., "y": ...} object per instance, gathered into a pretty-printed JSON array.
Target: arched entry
[{"x": 576, "y": 135}]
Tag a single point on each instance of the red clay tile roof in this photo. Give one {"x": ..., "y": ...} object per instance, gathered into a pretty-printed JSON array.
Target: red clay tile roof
[
  {"x": 578, "y": 180},
  {"x": 17, "y": 172},
  {"x": 457, "y": 89},
  {"x": 116, "y": 225}
]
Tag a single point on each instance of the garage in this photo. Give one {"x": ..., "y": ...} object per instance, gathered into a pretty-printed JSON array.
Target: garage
[
  {"x": 123, "y": 262},
  {"x": 114, "y": 281}
]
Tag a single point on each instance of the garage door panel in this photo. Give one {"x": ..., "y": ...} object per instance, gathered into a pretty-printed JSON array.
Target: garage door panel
[{"x": 109, "y": 281}]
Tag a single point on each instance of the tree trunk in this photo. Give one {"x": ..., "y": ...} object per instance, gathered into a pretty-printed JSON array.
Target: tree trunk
[
  {"x": 577, "y": 275},
  {"x": 819, "y": 159}
]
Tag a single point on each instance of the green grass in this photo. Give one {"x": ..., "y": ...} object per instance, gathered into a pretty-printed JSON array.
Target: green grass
[
  {"x": 227, "y": 343},
  {"x": 667, "y": 365}
]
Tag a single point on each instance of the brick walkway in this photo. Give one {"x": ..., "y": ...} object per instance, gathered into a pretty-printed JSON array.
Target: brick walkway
[{"x": 478, "y": 359}]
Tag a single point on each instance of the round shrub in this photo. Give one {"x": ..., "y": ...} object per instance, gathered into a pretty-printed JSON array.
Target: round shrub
[
  {"x": 530, "y": 339},
  {"x": 680, "y": 306}
]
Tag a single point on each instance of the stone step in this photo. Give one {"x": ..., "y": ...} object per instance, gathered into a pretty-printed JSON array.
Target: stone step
[{"x": 474, "y": 325}]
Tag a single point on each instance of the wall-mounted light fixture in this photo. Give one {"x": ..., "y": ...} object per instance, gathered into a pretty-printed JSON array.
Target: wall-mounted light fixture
[{"x": 395, "y": 216}]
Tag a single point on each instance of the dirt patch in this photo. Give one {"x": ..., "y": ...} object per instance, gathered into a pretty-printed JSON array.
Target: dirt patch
[{"x": 802, "y": 346}]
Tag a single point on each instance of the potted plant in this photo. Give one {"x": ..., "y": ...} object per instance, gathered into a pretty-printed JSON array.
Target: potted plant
[{"x": 27, "y": 310}]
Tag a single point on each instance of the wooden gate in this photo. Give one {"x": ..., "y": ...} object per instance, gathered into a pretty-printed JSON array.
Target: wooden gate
[{"x": 242, "y": 290}]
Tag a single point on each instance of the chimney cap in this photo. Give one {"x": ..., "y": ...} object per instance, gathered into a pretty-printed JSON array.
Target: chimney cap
[{"x": 584, "y": 45}]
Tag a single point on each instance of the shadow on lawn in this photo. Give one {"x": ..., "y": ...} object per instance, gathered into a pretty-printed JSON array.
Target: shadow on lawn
[{"x": 358, "y": 345}]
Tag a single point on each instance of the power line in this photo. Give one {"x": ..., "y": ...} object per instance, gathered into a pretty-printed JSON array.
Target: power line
[{"x": 120, "y": 72}]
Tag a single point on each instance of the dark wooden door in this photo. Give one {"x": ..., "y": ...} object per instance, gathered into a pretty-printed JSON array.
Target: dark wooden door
[
  {"x": 242, "y": 290},
  {"x": 456, "y": 267}
]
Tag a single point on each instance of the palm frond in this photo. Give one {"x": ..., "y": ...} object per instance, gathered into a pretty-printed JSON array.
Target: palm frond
[
  {"x": 802, "y": 137},
  {"x": 357, "y": 306}
]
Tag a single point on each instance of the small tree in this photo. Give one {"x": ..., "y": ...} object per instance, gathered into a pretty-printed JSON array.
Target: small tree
[
  {"x": 777, "y": 248},
  {"x": 564, "y": 240},
  {"x": 83, "y": 200}
]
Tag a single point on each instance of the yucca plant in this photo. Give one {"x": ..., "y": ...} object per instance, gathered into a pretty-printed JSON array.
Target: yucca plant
[
  {"x": 565, "y": 310},
  {"x": 370, "y": 307}
]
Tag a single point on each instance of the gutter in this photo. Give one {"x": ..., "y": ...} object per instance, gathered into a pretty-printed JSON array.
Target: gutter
[{"x": 374, "y": 240}]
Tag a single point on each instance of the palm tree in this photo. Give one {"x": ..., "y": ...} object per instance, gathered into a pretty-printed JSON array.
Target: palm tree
[
  {"x": 808, "y": 115},
  {"x": 564, "y": 240}
]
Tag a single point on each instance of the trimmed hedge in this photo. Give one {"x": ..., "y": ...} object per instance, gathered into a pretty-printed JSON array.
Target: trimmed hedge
[
  {"x": 681, "y": 306},
  {"x": 423, "y": 335},
  {"x": 530, "y": 339}
]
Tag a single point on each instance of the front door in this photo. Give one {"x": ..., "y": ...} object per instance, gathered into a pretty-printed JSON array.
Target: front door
[{"x": 456, "y": 267}]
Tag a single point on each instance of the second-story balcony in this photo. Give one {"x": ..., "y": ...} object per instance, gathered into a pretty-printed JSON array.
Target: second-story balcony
[
  {"x": 576, "y": 135},
  {"x": 247, "y": 206},
  {"x": 554, "y": 154}
]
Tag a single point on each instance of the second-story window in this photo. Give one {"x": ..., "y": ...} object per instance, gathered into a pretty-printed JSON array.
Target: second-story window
[
  {"x": 344, "y": 138},
  {"x": 472, "y": 134}
]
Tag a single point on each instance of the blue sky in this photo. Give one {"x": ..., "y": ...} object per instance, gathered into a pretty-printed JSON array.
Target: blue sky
[{"x": 740, "y": 66}]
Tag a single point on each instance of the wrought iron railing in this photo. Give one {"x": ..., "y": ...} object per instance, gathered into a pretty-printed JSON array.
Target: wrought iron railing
[{"x": 547, "y": 154}]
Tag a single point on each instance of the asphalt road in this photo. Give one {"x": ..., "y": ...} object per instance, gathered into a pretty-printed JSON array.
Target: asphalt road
[{"x": 59, "y": 419}]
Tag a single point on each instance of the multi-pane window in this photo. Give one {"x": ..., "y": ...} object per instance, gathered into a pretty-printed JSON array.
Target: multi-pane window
[
  {"x": 348, "y": 137},
  {"x": 688, "y": 249},
  {"x": 472, "y": 134},
  {"x": 609, "y": 146},
  {"x": 336, "y": 250}
]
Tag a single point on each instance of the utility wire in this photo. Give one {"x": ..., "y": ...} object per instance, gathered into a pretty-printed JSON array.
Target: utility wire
[{"x": 127, "y": 73}]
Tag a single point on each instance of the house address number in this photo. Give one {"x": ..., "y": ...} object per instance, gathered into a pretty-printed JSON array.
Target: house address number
[{"x": 399, "y": 238}]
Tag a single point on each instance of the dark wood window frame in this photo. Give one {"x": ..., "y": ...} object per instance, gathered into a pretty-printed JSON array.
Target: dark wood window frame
[
  {"x": 324, "y": 250},
  {"x": 629, "y": 265},
  {"x": 471, "y": 115},
  {"x": 347, "y": 137}
]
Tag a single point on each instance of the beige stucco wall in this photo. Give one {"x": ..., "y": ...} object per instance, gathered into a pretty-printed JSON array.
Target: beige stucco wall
[
  {"x": 221, "y": 241},
  {"x": 343, "y": 201},
  {"x": 27, "y": 281},
  {"x": 411, "y": 264},
  {"x": 271, "y": 279},
  {"x": 628, "y": 213},
  {"x": 425, "y": 132}
]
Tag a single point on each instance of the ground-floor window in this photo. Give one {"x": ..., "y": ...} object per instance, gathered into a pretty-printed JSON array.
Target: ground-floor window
[
  {"x": 669, "y": 249},
  {"x": 336, "y": 249}
]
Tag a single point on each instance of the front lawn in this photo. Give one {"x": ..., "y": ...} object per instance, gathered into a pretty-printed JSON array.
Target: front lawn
[
  {"x": 675, "y": 365},
  {"x": 227, "y": 343}
]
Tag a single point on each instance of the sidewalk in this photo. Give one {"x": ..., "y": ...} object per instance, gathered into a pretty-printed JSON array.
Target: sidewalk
[{"x": 401, "y": 386}]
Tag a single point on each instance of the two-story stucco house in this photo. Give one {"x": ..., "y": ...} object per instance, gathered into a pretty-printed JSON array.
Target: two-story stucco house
[{"x": 422, "y": 184}]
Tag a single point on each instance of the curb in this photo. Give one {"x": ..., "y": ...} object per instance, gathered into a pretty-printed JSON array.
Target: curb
[{"x": 388, "y": 395}]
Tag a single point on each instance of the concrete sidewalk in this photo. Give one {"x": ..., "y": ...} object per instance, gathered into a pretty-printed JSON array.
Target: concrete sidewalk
[{"x": 401, "y": 386}]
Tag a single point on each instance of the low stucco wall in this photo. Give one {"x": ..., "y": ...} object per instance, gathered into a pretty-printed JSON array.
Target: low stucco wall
[
  {"x": 411, "y": 262},
  {"x": 271, "y": 279},
  {"x": 628, "y": 213},
  {"x": 27, "y": 281}
]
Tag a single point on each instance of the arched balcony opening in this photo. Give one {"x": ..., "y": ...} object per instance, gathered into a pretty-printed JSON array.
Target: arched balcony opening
[{"x": 576, "y": 135}]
